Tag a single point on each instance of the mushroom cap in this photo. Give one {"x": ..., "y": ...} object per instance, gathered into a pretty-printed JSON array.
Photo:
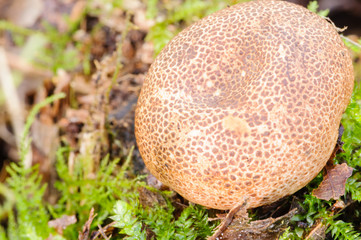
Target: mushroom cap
[{"x": 245, "y": 103}]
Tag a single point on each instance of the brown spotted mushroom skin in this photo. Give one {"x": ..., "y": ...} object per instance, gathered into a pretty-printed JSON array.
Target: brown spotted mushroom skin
[{"x": 245, "y": 103}]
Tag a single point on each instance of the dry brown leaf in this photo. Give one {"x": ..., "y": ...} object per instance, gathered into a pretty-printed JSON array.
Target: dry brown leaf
[
  {"x": 77, "y": 10},
  {"x": 333, "y": 184},
  {"x": 61, "y": 223},
  {"x": 55, "y": 11},
  {"x": 45, "y": 135},
  {"x": 21, "y": 12},
  {"x": 148, "y": 198},
  {"x": 339, "y": 205},
  {"x": 267, "y": 229},
  {"x": 153, "y": 181}
]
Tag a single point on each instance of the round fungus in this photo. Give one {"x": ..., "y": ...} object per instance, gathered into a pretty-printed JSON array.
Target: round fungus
[{"x": 245, "y": 103}]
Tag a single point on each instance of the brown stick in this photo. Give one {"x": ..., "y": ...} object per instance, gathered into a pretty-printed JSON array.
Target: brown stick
[{"x": 227, "y": 220}]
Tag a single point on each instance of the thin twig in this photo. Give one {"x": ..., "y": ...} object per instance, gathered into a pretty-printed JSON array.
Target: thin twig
[
  {"x": 339, "y": 30},
  {"x": 104, "y": 229},
  {"x": 227, "y": 220},
  {"x": 101, "y": 231},
  {"x": 84, "y": 234}
]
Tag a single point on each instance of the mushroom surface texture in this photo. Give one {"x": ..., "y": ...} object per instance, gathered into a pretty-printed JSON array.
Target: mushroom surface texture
[{"x": 244, "y": 104}]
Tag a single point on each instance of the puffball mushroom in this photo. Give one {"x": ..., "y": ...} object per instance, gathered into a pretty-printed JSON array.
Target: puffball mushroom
[{"x": 244, "y": 104}]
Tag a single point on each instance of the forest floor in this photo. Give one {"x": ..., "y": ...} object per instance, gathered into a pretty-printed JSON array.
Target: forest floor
[{"x": 71, "y": 72}]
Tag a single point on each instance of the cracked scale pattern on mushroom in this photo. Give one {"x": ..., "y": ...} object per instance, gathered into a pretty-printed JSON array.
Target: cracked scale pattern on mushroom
[{"x": 244, "y": 103}]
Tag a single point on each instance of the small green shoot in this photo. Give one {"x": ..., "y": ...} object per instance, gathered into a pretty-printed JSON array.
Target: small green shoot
[
  {"x": 28, "y": 191},
  {"x": 313, "y": 7},
  {"x": 127, "y": 222}
]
